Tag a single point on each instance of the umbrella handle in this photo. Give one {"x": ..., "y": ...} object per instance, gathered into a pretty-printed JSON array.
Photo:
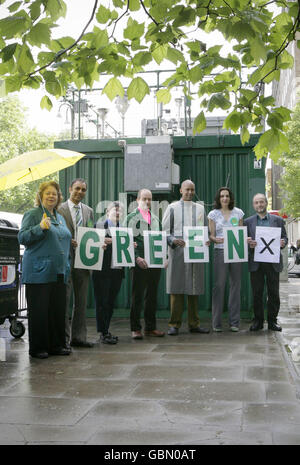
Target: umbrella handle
[{"x": 45, "y": 217}]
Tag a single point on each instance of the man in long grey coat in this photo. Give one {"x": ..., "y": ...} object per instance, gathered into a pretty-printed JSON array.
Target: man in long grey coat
[
  {"x": 183, "y": 278},
  {"x": 77, "y": 214}
]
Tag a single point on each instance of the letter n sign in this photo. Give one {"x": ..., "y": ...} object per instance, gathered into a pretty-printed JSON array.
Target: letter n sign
[
  {"x": 89, "y": 251},
  {"x": 235, "y": 244}
]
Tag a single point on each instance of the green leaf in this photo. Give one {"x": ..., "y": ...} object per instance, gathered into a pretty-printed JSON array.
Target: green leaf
[
  {"x": 174, "y": 55},
  {"x": 12, "y": 84},
  {"x": 195, "y": 74},
  {"x": 51, "y": 84},
  {"x": 137, "y": 89},
  {"x": 274, "y": 142},
  {"x": 39, "y": 34},
  {"x": 233, "y": 121},
  {"x": 134, "y": 30},
  {"x": 8, "y": 52},
  {"x": 14, "y": 26},
  {"x": 14, "y": 7},
  {"x": 55, "y": 8},
  {"x": 134, "y": 5},
  {"x": 163, "y": 96},
  {"x": 46, "y": 103},
  {"x": 186, "y": 16},
  {"x": 218, "y": 101},
  {"x": 258, "y": 50},
  {"x": 142, "y": 58},
  {"x": 103, "y": 15},
  {"x": 199, "y": 123},
  {"x": 25, "y": 62},
  {"x": 45, "y": 57},
  {"x": 113, "y": 88},
  {"x": 119, "y": 3},
  {"x": 160, "y": 53},
  {"x": 245, "y": 135},
  {"x": 286, "y": 60},
  {"x": 275, "y": 121},
  {"x": 99, "y": 38},
  {"x": 35, "y": 10},
  {"x": 249, "y": 94}
]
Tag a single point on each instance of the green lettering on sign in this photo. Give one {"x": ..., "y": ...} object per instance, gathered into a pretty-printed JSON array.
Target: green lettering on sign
[
  {"x": 94, "y": 251},
  {"x": 193, "y": 243},
  {"x": 238, "y": 245},
  {"x": 154, "y": 260},
  {"x": 122, "y": 243}
]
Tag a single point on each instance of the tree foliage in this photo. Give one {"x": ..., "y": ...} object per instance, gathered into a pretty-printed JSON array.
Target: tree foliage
[
  {"x": 290, "y": 180},
  {"x": 119, "y": 42},
  {"x": 17, "y": 138}
]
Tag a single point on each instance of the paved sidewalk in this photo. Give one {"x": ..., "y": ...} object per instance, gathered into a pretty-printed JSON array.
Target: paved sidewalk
[{"x": 227, "y": 388}]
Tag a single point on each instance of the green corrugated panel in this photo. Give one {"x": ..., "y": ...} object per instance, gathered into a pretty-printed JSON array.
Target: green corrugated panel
[{"x": 210, "y": 161}]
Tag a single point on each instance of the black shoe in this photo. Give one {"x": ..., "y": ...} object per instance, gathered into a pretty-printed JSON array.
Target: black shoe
[
  {"x": 60, "y": 351},
  {"x": 108, "y": 339},
  {"x": 199, "y": 330},
  {"x": 256, "y": 326},
  {"x": 172, "y": 331},
  {"x": 274, "y": 327},
  {"x": 39, "y": 355},
  {"x": 76, "y": 343}
]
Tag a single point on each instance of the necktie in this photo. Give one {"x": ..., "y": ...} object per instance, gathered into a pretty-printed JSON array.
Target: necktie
[{"x": 78, "y": 216}]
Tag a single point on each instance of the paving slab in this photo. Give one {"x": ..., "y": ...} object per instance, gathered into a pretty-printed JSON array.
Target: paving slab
[{"x": 215, "y": 389}]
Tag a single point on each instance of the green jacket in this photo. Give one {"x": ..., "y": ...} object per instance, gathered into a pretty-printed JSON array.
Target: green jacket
[{"x": 135, "y": 221}]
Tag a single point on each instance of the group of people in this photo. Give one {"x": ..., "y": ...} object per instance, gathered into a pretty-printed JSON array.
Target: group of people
[{"x": 49, "y": 234}]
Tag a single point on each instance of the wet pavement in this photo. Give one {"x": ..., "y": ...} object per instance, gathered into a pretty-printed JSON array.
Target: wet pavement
[{"x": 221, "y": 388}]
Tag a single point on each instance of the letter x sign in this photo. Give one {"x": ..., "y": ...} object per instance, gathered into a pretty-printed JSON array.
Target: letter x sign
[{"x": 268, "y": 244}]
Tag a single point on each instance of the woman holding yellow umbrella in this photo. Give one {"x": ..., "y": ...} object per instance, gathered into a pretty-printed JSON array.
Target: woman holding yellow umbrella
[{"x": 45, "y": 272}]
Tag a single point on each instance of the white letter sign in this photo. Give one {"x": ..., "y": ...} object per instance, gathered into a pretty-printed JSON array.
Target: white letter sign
[
  {"x": 195, "y": 250},
  {"x": 155, "y": 246},
  {"x": 89, "y": 251},
  {"x": 268, "y": 244},
  {"x": 122, "y": 247},
  {"x": 235, "y": 244}
]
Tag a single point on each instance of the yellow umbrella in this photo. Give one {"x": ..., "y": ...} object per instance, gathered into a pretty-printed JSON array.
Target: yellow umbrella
[{"x": 31, "y": 166}]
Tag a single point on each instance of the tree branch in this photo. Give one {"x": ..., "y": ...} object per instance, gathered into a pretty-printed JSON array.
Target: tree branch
[
  {"x": 117, "y": 20},
  {"x": 64, "y": 51},
  {"x": 148, "y": 14}
]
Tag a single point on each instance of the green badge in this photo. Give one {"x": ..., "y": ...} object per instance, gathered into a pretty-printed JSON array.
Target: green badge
[{"x": 234, "y": 221}]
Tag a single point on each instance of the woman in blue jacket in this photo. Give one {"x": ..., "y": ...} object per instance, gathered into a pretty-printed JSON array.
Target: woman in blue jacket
[{"x": 45, "y": 272}]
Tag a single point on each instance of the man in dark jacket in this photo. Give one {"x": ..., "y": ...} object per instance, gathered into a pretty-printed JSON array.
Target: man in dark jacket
[
  {"x": 261, "y": 270},
  {"x": 76, "y": 214},
  {"x": 144, "y": 279}
]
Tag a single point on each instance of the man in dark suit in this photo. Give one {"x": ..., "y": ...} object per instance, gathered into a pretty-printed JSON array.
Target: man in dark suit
[
  {"x": 261, "y": 270},
  {"x": 77, "y": 214}
]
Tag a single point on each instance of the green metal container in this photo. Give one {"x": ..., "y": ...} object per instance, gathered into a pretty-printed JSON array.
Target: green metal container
[{"x": 209, "y": 161}]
